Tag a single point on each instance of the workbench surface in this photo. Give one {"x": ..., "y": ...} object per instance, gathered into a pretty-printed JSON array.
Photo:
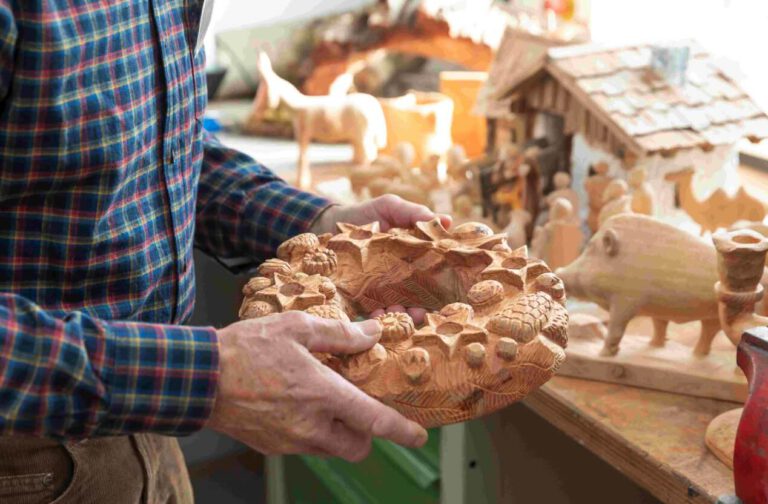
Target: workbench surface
[{"x": 655, "y": 438}]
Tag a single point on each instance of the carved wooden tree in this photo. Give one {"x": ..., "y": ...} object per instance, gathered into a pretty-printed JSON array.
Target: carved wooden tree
[{"x": 496, "y": 329}]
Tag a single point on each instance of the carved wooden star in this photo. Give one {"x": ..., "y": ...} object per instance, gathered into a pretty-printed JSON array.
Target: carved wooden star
[
  {"x": 506, "y": 267},
  {"x": 357, "y": 239},
  {"x": 480, "y": 236},
  {"x": 449, "y": 334},
  {"x": 461, "y": 248},
  {"x": 290, "y": 293}
]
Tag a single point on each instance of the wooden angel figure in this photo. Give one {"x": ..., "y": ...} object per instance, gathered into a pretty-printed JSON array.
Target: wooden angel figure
[
  {"x": 560, "y": 240},
  {"x": 356, "y": 118},
  {"x": 616, "y": 200},
  {"x": 519, "y": 220},
  {"x": 595, "y": 186},
  {"x": 643, "y": 198},
  {"x": 563, "y": 189}
]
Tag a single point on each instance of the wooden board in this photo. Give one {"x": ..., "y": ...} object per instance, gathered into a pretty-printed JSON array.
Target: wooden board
[
  {"x": 721, "y": 435},
  {"x": 672, "y": 368},
  {"x": 655, "y": 438}
]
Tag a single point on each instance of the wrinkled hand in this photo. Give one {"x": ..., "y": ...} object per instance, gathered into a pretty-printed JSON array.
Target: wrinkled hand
[
  {"x": 390, "y": 211},
  {"x": 274, "y": 396}
]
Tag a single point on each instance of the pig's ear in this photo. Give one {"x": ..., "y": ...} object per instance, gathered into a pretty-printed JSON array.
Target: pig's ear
[{"x": 610, "y": 242}]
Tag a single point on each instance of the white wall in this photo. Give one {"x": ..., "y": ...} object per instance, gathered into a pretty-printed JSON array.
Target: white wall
[
  {"x": 234, "y": 14},
  {"x": 717, "y": 168},
  {"x": 733, "y": 29},
  {"x": 237, "y": 14}
]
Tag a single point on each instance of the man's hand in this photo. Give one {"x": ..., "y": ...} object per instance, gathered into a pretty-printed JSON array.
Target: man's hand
[
  {"x": 274, "y": 396},
  {"x": 389, "y": 210}
]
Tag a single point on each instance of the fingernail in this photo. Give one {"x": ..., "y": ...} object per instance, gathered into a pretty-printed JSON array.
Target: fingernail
[
  {"x": 421, "y": 438},
  {"x": 370, "y": 328}
]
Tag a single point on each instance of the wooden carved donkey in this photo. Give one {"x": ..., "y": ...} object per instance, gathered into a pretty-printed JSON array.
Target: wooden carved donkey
[{"x": 355, "y": 118}]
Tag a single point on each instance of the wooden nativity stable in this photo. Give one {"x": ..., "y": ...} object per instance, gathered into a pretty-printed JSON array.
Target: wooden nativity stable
[{"x": 665, "y": 108}]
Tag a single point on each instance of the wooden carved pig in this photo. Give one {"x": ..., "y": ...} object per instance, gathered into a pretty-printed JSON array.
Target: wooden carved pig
[{"x": 639, "y": 266}]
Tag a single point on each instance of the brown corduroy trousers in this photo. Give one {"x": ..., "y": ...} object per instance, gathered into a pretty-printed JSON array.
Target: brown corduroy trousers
[{"x": 142, "y": 468}]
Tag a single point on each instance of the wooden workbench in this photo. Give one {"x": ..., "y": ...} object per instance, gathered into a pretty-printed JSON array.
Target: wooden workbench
[{"x": 655, "y": 438}]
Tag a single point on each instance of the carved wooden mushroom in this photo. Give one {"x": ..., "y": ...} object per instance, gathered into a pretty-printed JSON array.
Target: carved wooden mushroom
[{"x": 495, "y": 331}]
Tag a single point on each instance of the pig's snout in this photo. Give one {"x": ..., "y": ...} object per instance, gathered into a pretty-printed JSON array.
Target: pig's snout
[{"x": 570, "y": 277}]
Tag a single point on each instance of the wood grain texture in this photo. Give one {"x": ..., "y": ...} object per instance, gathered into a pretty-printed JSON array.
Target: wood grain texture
[
  {"x": 655, "y": 438},
  {"x": 672, "y": 368},
  {"x": 497, "y": 325},
  {"x": 721, "y": 435}
]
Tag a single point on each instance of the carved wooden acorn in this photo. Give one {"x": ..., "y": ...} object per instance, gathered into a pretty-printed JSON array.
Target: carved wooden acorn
[{"x": 496, "y": 328}]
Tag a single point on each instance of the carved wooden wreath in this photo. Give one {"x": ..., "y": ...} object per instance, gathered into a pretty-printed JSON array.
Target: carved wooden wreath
[{"x": 497, "y": 329}]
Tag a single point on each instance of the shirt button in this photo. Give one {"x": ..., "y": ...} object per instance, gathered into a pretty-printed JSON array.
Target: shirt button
[{"x": 48, "y": 480}]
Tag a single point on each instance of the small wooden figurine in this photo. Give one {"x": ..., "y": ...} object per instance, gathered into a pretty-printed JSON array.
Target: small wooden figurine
[
  {"x": 496, "y": 328},
  {"x": 355, "y": 118},
  {"x": 595, "y": 186},
  {"x": 559, "y": 241},
  {"x": 643, "y": 199},
  {"x": 519, "y": 220},
  {"x": 563, "y": 189},
  {"x": 456, "y": 163},
  {"x": 383, "y": 167},
  {"x": 616, "y": 200},
  {"x": 412, "y": 192},
  {"x": 719, "y": 210}
]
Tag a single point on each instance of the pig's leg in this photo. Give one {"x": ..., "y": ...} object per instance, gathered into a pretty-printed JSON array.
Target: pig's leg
[
  {"x": 659, "y": 333},
  {"x": 709, "y": 329},
  {"x": 621, "y": 313}
]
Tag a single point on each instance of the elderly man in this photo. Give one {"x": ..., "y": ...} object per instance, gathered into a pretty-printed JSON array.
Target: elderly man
[{"x": 107, "y": 180}]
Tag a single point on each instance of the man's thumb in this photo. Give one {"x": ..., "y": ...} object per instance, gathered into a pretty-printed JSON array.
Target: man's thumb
[{"x": 335, "y": 336}]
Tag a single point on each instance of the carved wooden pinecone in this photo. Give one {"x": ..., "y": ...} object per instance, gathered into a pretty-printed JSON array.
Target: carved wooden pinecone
[
  {"x": 524, "y": 319},
  {"x": 328, "y": 312}
]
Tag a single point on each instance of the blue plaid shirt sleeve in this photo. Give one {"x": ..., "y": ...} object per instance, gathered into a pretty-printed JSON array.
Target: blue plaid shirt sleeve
[
  {"x": 243, "y": 209},
  {"x": 8, "y": 34},
  {"x": 78, "y": 376}
]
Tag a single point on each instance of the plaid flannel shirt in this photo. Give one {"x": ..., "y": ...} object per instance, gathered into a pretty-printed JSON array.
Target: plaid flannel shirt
[{"x": 106, "y": 180}]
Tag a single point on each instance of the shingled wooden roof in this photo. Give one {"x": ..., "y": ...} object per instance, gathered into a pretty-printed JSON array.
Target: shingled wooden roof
[{"x": 614, "y": 97}]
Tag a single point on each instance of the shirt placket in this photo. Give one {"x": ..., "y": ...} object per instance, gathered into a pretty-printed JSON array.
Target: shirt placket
[{"x": 172, "y": 159}]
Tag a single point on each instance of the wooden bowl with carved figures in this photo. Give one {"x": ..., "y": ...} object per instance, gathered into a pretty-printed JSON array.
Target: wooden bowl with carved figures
[{"x": 495, "y": 330}]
